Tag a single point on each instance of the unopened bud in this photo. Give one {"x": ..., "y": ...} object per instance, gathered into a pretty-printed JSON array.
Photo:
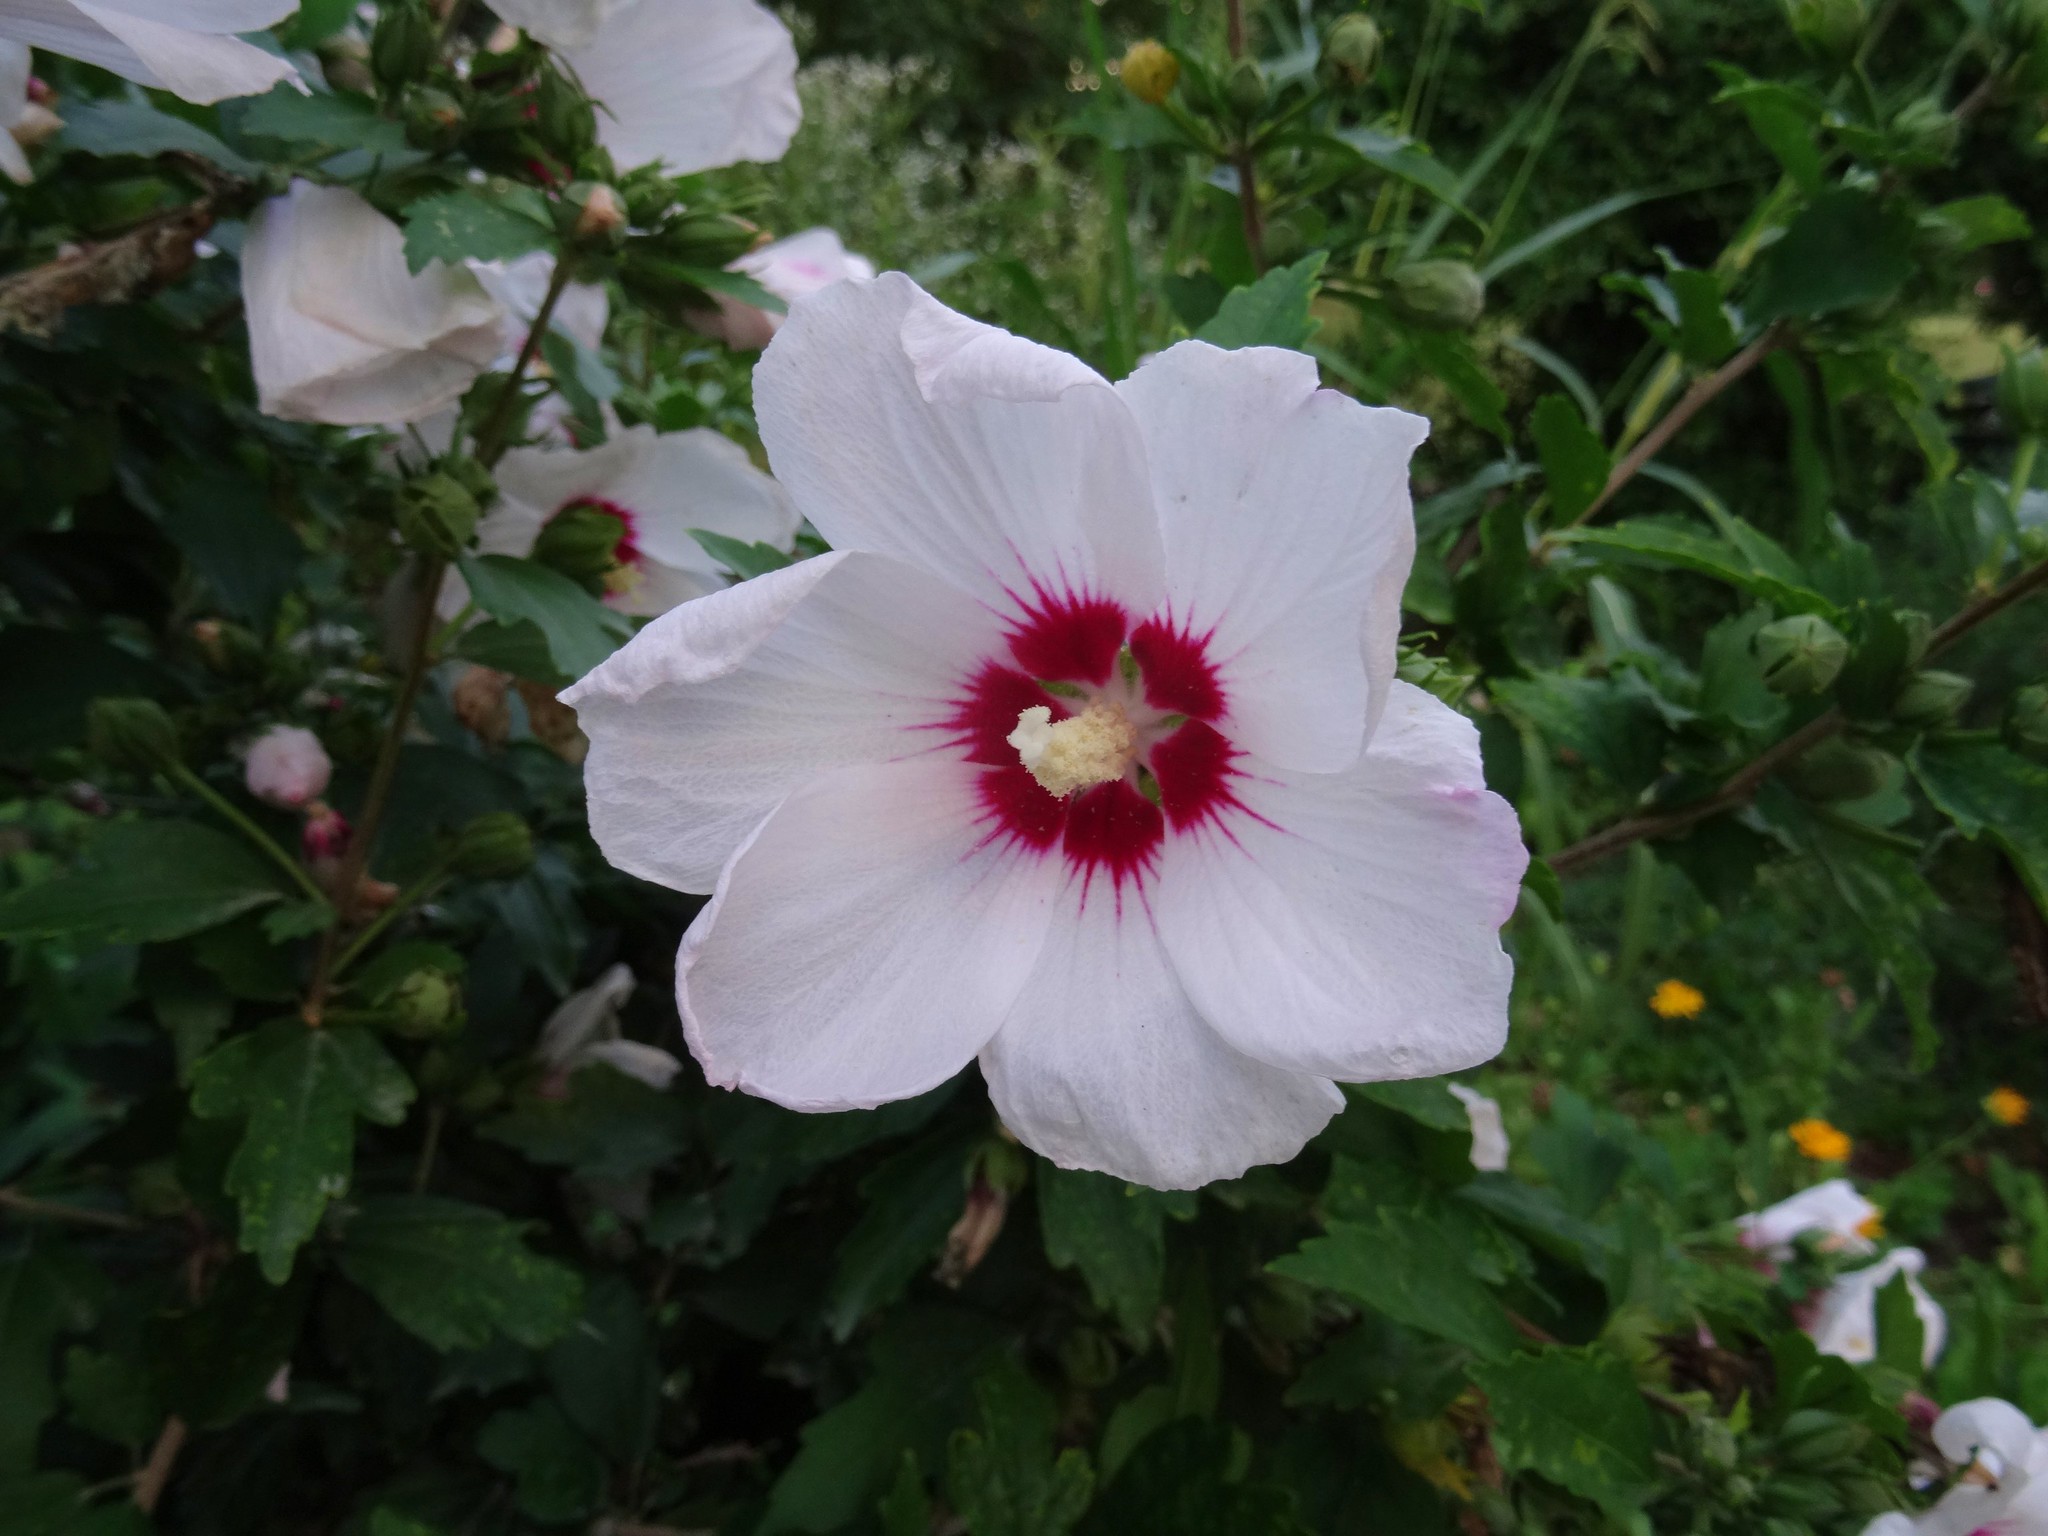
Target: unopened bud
[
  {"x": 1801, "y": 654},
  {"x": 1829, "y": 29},
  {"x": 404, "y": 45},
  {"x": 1919, "y": 633},
  {"x": 325, "y": 834},
  {"x": 602, "y": 218},
  {"x": 227, "y": 648},
  {"x": 425, "y": 1006},
  {"x": 1838, "y": 770},
  {"x": 553, "y": 723},
  {"x": 564, "y": 117},
  {"x": 1442, "y": 294},
  {"x": 437, "y": 514},
  {"x": 2026, "y": 722},
  {"x": 649, "y": 199},
  {"x": 1925, "y": 132},
  {"x": 582, "y": 542},
  {"x": 1149, "y": 71},
  {"x": 1351, "y": 52},
  {"x": 345, "y": 61},
  {"x": 433, "y": 120},
  {"x": 287, "y": 767},
  {"x": 1931, "y": 699},
  {"x": 131, "y": 733},
  {"x": 2023, "y": 393},
  {"x": 494, "y": 847},
  {"x": 1245, "y": 88}
]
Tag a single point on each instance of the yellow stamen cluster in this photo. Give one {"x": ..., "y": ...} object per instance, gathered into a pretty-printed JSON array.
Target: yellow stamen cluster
[
  {"x": 1676, "y": 999},
  {"x": 1820, "y": 1141},
  {"x": 1096, "y": 746}
]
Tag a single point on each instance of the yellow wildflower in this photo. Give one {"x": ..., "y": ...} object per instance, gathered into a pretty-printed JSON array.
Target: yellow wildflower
[
  {"x": 1821, "y": 1141},
  {"x": 1675, "y": 999},
  {"x": 2008, "y": 1106}
]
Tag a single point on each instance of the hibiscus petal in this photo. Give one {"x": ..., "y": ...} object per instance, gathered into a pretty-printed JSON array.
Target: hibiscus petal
[
  {"x": 1985, "y": 1424},
  {"x": 644, "y": 1063},
  {"x": 718, "y": 709},
  {"x": 558, "y": 23},
  {"x": 698, "y": 479},
  {"x": 1348, "y": 925},
  {"x": 585, "y": 1017},
  {"x": 864, "y": 943},
  {"x": 694, "y": 83},
  {"x": 1104, "y": 1064},
  {"x": 167, "y": 49},
  {"x": 905, "y": 429},
  {"x": 1289, "y": 533}
]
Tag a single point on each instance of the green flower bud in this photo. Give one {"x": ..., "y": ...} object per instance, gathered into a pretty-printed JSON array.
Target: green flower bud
[
  {"x": 437, "y": 514},
  {"x": 2023, "y": 393},
  {"x": 426, "y": 1006},
  {"x": 649, "y": 199},
  {"x": 1925, "y": 132},
  {"x": 228, "y": 648},
  {"x": 1440, "y": 295},
  {"x": 563, "y": 117},
  {"x": 1149, "y": 71},
  {"x": 494, "y": 847},
  {"x": 1829, "y": 29},
  {"x": 1931, "y": 699},
  {"x": 1351, "y": 52},
  {"x": 707, "y": 239},
  {"x": 2026, "y": 722},
  {"x": 1801, "y": 654},
  {"x": 433, "y": 120},
  {"x": 595, "y": 215},
  {"x": 131, "y": 733},
  {"x": 1245, "y": 88},
  {"x": 405, "y": 44},
  {"x": 1839, "y": 770},
  {"x": 1919, "y": 632},
  {"x": 582, "y": 542}
]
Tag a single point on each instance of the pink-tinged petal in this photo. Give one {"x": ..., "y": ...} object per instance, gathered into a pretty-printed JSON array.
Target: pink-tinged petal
[
  {"x": 1490, "y": 1144},
  {"x": 695, "y": 84},
  {"x": 864, "y": 943},
  {"x": 1289, "y": 532},
  {"x": 183, "y": 48},
  {"x": 718, "y": 709},
  {"x": 1009, "y": 469},
  {"x": 1104, "y": 1064},
  {"x": 1348, "y": 924}
]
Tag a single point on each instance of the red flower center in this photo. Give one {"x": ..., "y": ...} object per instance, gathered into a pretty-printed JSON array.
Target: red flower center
[{"x": 627, "y": 551}]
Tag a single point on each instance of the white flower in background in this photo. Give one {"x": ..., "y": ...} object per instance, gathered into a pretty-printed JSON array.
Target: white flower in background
[
  {"x": 585, "y": 1031},
  {"x": 286, "y": 767},
  {"x": 341, "y": 331},
  {"x": 2003, "y": 1492},
  {"x": 693, "y": 83},
  {"x": 520, "y": 287},
  {"x": 1845, "y": 1317},
  {"x": 186, "y": 47},
  {"x": 790, "y": 269},
  {"x": 659, "y": 486},
  {"x": 1846, "y": 1222},
  {"x": 1489, "y": 1136},
  {"x": 24, "y": 121},
  {"x": 1177, "y": 599}
]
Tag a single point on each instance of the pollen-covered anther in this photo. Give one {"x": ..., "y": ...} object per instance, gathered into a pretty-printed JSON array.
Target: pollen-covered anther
[{"x": 1096, "y": 746}]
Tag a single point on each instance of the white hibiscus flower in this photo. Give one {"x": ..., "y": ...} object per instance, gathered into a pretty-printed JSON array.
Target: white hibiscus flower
[
  {"x": 1082, "y": 753},
  {"x": 790, "y": 269},
  {"x": 2004, "y": 1489},
  {"x": 187, "y": 47},
  {"x": 584, "y": 1031},
  {"x": 1490, "y": 1146},
  {"x": 1845, "y": 1318},
  {"x": 1846, "y": 1221},
  {"x": 24, "y": 121}
]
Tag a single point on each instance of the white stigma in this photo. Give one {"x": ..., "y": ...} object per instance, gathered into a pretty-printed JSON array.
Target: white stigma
[{"x": 1094, "y": 747}]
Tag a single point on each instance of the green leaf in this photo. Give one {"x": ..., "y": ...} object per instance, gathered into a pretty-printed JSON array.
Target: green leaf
[
  {"x": 302, "y": 1091},
  {"x": 580, "y": 631},
  {"x": 59, "y": 1504},
  {"x": 455, "y": 1273},
  {"x": 109, "y": 1394},
  {"x": 1004, "y": 1480},
  {"x": 322, "y": 120},
  {"x": 558, "y": 1477},
  {"x": 1576, "y": 464},
  {"x": 1405, "y": 1266},
  {"x": 520, "y": 649},
  {"x": 49, "y": 676},
  {"x": 1784, "y": 117},
  {"x": 744, "y": 560},
  {"x": 1847, "y": 249},
  {"x": 610, "y": 1126},
  {"x": 1186, "y": 1478},
  {"x": 1563, "y": 229},
  {"x": 1673, "y": 545},
  {"x": 225, "y": 525},
  {"x": 906, "y": 1510},
  {"x": 111, "y": 126},
  {"x": 143, "y": 882},
  {"x": 1114, "y": 1233},
  {"x": 1427, "y": 1101},
  {"x": 1900, "y": 1333},
  {"x": 913, "y": 1200},
  {"x": 1575, "y": 1417},
  {"x": 606, "y": 1371},
  {"x": 470, "y": 223},
  {"x": 1410, "y": 162},
  {"x": 1272, "y": 312},
  {"x": 1985, "y": 789},
  {"x": 213, "y": 1363},
  {"x": 34, "y": 1309},
  {"x": 1706, "y": 335},
  {"x": 1448, "y": 359},
  {"x": 1971, "y": 223}
]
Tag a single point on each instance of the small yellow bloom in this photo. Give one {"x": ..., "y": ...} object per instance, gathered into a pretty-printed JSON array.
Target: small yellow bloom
[
  {"x": 1150, "y": 72},
  {"x": 1821, "y": 1141},
  {"x": 1676, "y": 999},
  {"x": 1871, "y": 1226},
  {"x": 2008, "y": 1106}
]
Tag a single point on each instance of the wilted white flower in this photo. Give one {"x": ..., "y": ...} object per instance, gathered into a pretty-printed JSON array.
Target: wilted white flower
[
  {"x": 1489, "y": 1136},
  {"x": 1846, "y": 1221},
  {"x": 24, "y": 121},
  {"x": 187, "y": 47},
  {"x": 1083, "y": 752},
  {"x": 341, "y": 331},
  {"x": 287, "y": 767},
  {"x": 585, "y": 1030},
  {"x": 790, "y": 269},
  {"x": 2004, "y": 1492},
  {"x": 659, "y": 486},
  {"x": 1845, "y": 1318}
]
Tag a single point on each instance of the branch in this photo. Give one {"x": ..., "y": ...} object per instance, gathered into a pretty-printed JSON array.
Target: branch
[
  {"x": 27, "y": 1205},
  {"x": 131, "y": 266},
  {"x": 156, "y": 1472}
]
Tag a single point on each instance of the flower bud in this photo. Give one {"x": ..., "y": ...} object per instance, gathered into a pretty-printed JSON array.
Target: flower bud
[
  {"x": 1801, "y": 654},
  {"x": 1930, "y": 699},
  {"x": 2026, "y": 722},
  {"x": 1829, "y": 29},
  {"x": 494, "y": 847},
  {"x": 582, "y": 542},
  {"x": 131, "y": 733},
  {"x": 601, "y": 214},
  {"x": 433, "y": 120},
  {"x": 404, "y": 45},
  {"x": 425, "y": 1006},
  {"x": 227, "y": 648},
  {"x": 345, "y": 62},
  {"x": 1926, "y": 132},
  {"x": 564, "y": 118},
  {"x": 1150, "y": 71},
  {"x": 437, "y": 514},
  {"x": 1440, "y": 295},
  {"x": 325, "y": 835},
  {"x": 1351, "y": 52},
  {"x": 2023, "y": 393},
  {"x": 1919, "y": 633},
  {"x": 649, "y": 199},
  {"x": 1245, "y": 88},
  {"x": 1839, "y": 770},
  {"x": 287, "y": 768}
]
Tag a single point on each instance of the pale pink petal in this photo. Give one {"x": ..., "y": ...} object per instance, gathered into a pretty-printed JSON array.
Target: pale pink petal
[
  {"x": 679, "y": 481},
  {"x": 1349, "y": 924},
  {"x": 1845, "y": 1324},
  {"x": 643, "y": 1063},
  {"x": 864, "y": 943},
  {"x": 721, "y": 707},
  {"x": 1289, "y": 533},
  {"x": 287, "y": 767},
  {"x": 1001, "y": 465},
  {"x": 1104, "y": 1064}
]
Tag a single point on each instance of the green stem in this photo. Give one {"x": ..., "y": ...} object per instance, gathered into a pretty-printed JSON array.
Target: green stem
[
  {"x": 490, "y": 437},
  {"x": 180, "y": 774},
  {"x": 422, "y": 888},
  {"x": 1119, "y": 332}
]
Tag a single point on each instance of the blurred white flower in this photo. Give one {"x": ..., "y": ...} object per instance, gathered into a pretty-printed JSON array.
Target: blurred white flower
[
  {"x": 24, "y": 121},
  {"x": 1082, "y": 753},
  {"x": 1845, "y": 1220},
  {"x": 1845, "y": 1317},
  {"x": 2004, "y": 1489},
  {"x": 1489, "y": 1136},
  {"x": 186, "y": 47},
  {"x": 659, "y": 486},
  {"x": 790, "y": 269},
  {"x": 585, "y": 1030},
  {"x": 341, "y": 331},
  {"x": 287, "y": 767},
  {"x": 520, "y": 287}
]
